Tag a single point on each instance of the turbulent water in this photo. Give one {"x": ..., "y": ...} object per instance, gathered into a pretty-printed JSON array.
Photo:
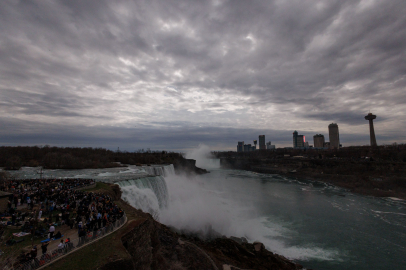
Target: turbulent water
[
  {"x": 315, "y": 224},
  {"x": 149, "y": 194}
]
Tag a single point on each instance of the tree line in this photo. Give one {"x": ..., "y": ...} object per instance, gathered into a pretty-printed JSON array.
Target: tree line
[{"x": 13, "y": 158}]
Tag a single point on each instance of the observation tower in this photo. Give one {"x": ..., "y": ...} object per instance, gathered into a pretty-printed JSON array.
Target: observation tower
[{"x": 371, "y": 117}]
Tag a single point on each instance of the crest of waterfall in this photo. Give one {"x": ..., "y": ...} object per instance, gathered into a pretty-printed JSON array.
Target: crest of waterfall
[
  {"x": 165, "y": 170},
  {"x": 155, "y": 183},
  {"x": 169, "y": 170}
]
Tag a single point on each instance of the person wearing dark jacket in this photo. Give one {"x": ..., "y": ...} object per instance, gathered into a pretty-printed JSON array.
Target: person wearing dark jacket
[{"x": 44, "y": 247}]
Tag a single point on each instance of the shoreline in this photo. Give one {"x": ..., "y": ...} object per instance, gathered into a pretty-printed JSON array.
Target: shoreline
[{"x": 353, "y": 183}]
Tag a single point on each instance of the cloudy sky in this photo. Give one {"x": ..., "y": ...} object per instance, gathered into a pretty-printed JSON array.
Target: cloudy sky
[{"x": 176, "y": 74}]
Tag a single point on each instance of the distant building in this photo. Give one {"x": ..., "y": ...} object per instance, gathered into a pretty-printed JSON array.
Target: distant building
[
  {"x": 306, "y": 144},
  {"x": 334, "y": 136},
  {"x": 240, "y": 146},
  {"x": 269, "y": 146},
  {"x": 295, "y": 134},
  {"x": 255, "y": 144},
  {"x": 247, "y": 147},
  {"x": 327, "y": 144},
  {"x": 298, "y": 140},
  {"x": 318, "y": 140},
  {"x": 262, "y": 142}
]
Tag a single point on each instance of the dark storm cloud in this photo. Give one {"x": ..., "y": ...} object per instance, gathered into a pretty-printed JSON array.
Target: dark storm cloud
[
  {"x": 351, "y": 118},
  {"x": 205, "y": 65}
]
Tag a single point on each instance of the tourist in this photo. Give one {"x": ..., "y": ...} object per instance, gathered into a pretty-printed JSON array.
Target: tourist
[
  {"x": 61, "y": 246},
  {"x": 68, "y": 243},
  {"x": 58, "y": 235},
  {"x": 44, "y": 247},
  {"x": 51, "y": 231},
  {"x": 33, "y": 252}
]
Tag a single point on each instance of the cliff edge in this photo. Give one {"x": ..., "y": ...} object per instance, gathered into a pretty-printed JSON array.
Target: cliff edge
[
  {"x": 188, "y": 166},
  {"x": 153, "y": 245}
]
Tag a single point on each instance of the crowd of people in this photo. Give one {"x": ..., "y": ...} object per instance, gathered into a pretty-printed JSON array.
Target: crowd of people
[
  {"x": 57, "y": 202},
  {"x": 30, "y": 190}
]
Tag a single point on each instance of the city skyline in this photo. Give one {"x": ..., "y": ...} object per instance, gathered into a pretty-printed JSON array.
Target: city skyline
[
  {"x": 319, "y": 141},
  {"x": 172, "y": 75}
]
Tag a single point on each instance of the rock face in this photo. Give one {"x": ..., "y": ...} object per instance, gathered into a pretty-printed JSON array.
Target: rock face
[
  {"x": 188, "y": 166},
  {"x": 154, "y": 246}
]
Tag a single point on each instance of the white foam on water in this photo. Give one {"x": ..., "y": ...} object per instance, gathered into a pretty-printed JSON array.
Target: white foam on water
[
  {"x": 309, "y": 252},
  {"x": 395, "y": 213},
  {"x": 106, "y": 174},
  {"x": 81, "y": 175},
  {"x": 396, "y": 199},
  {"x": 130, "y": 170},
  {"x": 274, "y": 233}
]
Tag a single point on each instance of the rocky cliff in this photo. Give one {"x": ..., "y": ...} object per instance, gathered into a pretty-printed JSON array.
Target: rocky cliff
[
  {"x": 188, "y": 166},
  {"x": 152, "y": 245}
]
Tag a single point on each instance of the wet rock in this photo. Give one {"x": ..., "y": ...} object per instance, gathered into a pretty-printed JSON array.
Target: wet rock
[
  {"x": 239, "y": 240},
  {"x": 258, "y": 246}
]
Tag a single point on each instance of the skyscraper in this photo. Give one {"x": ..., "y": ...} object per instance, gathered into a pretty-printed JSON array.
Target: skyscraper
[
  {"x": 372, "y": 138},
  {"x": 318, "y": 140},
  {"x": 298, "y": 140},
  {"x": 295, "y": 134},
  {"x": 247, "y": 148},
  {"x": 262, "y": 142},
  {"x": 240, "y": 146},
  {"x": 334, "y": 136}
]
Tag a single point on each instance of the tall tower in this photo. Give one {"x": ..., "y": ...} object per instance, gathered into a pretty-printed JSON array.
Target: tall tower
[
  {"x": 295, "y": 134},
  {"x": 240, "y": 146},
  {"x": 298, "y": 140},
  {"x": 262, "y": 142},
  {"x": 255, "y": 144},
  {"x": 318, "y": 141},
  {"x": 334, "y": 136},
  {"x": 371, "y": 117}
]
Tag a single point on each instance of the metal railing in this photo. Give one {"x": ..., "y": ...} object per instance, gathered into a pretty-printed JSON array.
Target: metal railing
[{"x": 74, "y": 244}]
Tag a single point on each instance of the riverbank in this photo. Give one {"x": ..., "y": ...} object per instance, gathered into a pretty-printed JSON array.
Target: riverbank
[
  {"x": 379, "y": 179},
  {"x": 359, "y": 185}
]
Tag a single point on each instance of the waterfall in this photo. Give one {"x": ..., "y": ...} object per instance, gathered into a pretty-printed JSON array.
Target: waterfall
[
  {"x": 155, "y": 183},
  {"x": 165, "y": 170},
  {"x": 149, "y": 193},
  {"x": 169, "y": 170}
]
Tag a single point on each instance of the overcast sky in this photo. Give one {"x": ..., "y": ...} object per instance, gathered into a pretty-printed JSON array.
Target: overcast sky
[{"x": 175, "y": 74}]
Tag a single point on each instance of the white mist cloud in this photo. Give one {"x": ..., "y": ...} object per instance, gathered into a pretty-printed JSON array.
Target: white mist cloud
[{"x": 204, "y": 159}]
